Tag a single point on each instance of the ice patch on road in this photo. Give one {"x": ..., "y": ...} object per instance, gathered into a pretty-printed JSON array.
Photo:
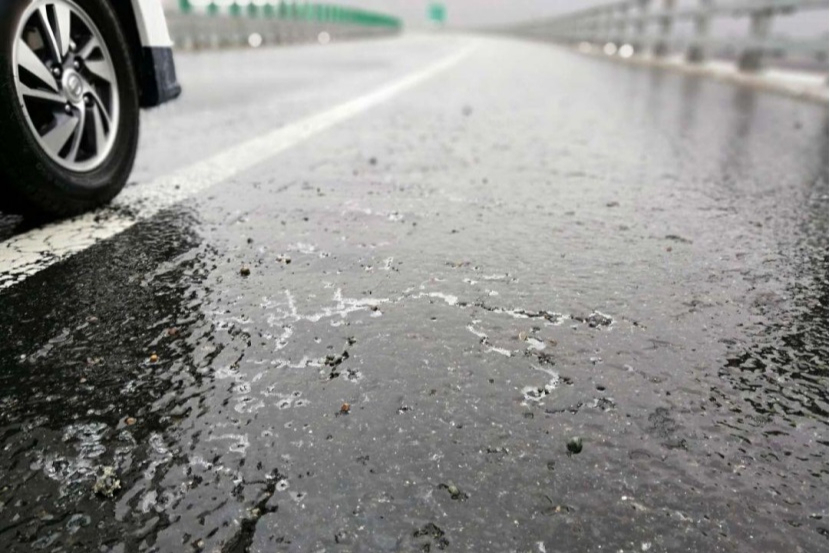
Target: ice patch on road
[
  {"x": 477, "y": 332},
  {"x": 240, "y": 443},
  {"x": 247, "y": 405},
  {"x": 534, "y": 344},
  {"x": 225, "y": 373},
  {"x": 68, "y": 470},
  {"x": 500, "y": 351},
  {"x": 484, "y": 341},
  {"x": 449, "y": 299},
  {"x": 536, "y": 394},
  {"x": 342, "y": 308},
  {"x": 159, "y": 453}
]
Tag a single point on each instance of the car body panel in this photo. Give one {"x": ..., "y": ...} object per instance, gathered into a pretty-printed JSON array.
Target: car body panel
[
  {"x": 151, "y": 24},
  {"x": 157, "y": 76},
  {"x": 156, "y": 70}
]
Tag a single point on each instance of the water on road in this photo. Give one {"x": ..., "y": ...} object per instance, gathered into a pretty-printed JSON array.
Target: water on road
[{"x": 387, "y": 337}]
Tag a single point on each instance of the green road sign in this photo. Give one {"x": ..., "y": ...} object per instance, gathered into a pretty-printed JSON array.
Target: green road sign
[{"x": 437, "y": 12}]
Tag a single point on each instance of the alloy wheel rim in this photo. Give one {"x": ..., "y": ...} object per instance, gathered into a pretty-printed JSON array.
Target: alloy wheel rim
[{"x": 66, "y": 84}]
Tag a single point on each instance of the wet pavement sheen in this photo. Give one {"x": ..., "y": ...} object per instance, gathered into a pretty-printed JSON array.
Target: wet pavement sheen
[{"x": 384, "y": 339}]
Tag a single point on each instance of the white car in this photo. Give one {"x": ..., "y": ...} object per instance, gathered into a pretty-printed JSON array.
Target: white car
[{"x": 73, "y": 76}]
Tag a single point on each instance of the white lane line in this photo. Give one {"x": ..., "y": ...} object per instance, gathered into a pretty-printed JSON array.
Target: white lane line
[{"x": 31, "y": 252}]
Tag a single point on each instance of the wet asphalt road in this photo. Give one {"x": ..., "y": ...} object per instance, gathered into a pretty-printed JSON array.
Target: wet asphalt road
[{"x": 527, "y": 247}]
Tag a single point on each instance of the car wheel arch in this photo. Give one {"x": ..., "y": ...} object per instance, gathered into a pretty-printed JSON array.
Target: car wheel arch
[{"x": 126, "y": 18}]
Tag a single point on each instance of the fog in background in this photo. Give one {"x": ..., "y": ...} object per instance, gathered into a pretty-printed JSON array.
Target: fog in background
[{"x": 489, "y": 13}]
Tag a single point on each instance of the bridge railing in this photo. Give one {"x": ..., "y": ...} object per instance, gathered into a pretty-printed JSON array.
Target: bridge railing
[
  {"x": 648, "y": 26},
  {"x": 196, "y": 24}
]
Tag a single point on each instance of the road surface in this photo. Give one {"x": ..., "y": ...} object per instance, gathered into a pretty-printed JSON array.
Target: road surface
[{"x": 360, "y": 297}]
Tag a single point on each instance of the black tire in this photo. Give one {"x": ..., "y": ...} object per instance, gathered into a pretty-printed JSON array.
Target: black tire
[{"x": 32, "y": 183}]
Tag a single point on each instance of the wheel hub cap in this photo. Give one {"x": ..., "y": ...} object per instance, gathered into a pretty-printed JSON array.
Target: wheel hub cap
[
  {"x": 66, "y": 84},
  {"x": 73, "y": 86}
]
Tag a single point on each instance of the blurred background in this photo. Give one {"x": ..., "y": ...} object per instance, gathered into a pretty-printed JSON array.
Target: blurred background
[
  {"x": 467, "y": 14},
  {"x": 786, "y": 33}
]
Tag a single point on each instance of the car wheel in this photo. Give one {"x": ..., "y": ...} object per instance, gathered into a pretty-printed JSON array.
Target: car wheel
[{"x": 68, "y": 106}]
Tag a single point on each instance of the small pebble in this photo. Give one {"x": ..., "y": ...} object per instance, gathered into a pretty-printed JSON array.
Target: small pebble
[
  {"x": 129, "y": 421},
  {"x": 345, "y": 408},
  {"x": 154, "y": 358},
  {"x": 455, "y": 493},
  {"x": 575, "y": 445},
  {"x": 244, "y": 271}
]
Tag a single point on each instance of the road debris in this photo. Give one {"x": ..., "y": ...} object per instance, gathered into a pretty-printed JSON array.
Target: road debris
[
  {"x": 107, "y": 482},
  {"x": 454, "y": 492},
  {"x": 575, "y": 445}
]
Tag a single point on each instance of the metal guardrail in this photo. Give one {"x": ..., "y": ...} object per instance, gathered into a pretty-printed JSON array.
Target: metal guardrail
[
  {"x": 197, "y": 24},
  {"x": 646, "y": 26}
]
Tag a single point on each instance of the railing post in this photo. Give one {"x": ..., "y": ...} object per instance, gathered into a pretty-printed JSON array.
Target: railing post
[
  {"x": 697, "y": 49},
  {"x": 580, "y": 28},
  {"x": 584, "y": 28},
  {"x": 596, "y": 26},
  {"x": 590, "y": 27},
  {"x": 639, "y": 27},
  {"x": 666, "y": 24},
  {"x": 759, "y": 28},
  {"x": 622, "y": 24},
  {"x": 604, "y": 23},
  {"x": 607, "y": 32}
]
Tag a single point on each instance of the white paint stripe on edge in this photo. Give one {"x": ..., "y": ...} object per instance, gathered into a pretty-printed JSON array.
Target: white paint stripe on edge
[{"x": 26, "y": 254}]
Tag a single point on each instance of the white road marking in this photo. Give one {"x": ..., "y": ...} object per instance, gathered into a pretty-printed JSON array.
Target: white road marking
[{"x": 31, "y": 252}]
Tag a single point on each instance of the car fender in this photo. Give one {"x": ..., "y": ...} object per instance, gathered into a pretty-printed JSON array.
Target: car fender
[
  {"x": 151, "y": 24},
  {"x": 156, "y": 69}
]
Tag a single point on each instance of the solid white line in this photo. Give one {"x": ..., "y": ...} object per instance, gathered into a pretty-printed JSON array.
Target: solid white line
[{"x": 31, "y": 252}]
